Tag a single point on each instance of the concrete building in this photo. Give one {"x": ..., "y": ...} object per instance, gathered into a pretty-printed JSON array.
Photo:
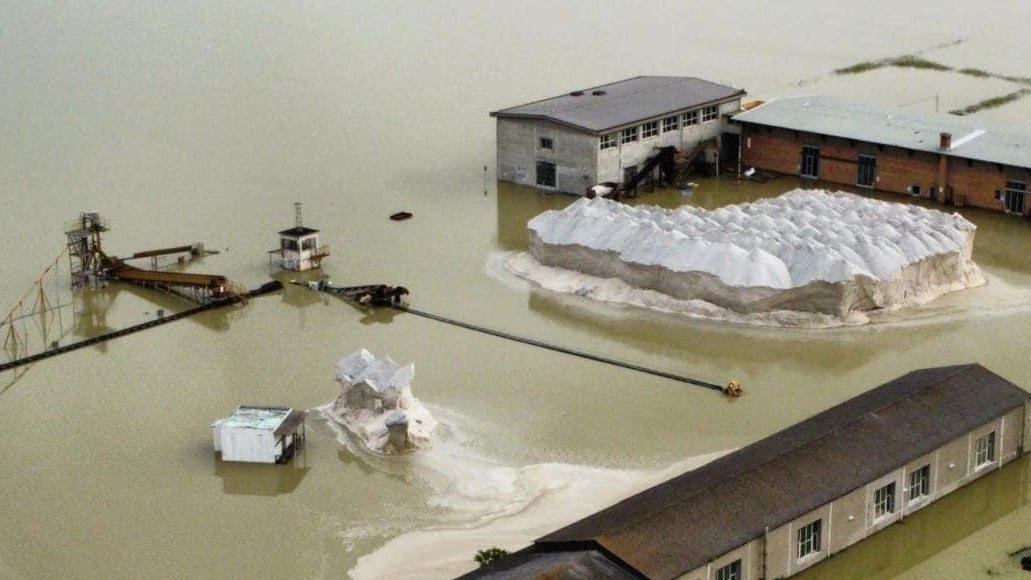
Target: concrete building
[
  {"x": 299, "y": 247},
  {"x": 789, "y": 501},
  {"x": 951, "y": 159},
  {"x": 259, "y": 434},
  {"x": 606, "y": 133}
]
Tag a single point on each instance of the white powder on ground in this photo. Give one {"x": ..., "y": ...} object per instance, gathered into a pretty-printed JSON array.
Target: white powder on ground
[{"x": 777, "y": 261}]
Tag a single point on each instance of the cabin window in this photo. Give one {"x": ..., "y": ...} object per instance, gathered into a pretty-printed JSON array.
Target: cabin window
[
  {"x": 547, "y": 143},
  {"x": 915, "y": 190},
  {"x": 731, "y": 571},
  {"x": 710, "y": 113},
  {"x": 690, "y": 118},
  {"x": 984, "y": 450},
  {"x": 308, "y": 244},
  {"x": 884, "y": 501},
  {"x": 670, "y": 124},
  {"x": 866, "y": 173},
  {"x": 288, "y": 244},
  {"x": 809, "y": 538},
  {"x": 920, "y": 483},
  {"x": 608, "y": 140},
  {"x": 649, "y": 129},
  {"x": 628, "y": 135},
  {"x": 545, "y": 174}
]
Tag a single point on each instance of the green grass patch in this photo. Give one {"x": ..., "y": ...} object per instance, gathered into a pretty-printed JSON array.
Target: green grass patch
[
  {"x": 992, "y": 102},
  {"x": 976, "y": 72},
  {"x": 913, "y": 61},
  {"x": 861, "y": 67}
]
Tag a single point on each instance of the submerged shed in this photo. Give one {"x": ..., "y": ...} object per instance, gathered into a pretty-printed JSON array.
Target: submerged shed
[{"x": 259, "y": 434}]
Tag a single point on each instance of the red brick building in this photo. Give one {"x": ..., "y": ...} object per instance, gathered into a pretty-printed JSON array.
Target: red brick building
[{"x": 950, "y": 159}]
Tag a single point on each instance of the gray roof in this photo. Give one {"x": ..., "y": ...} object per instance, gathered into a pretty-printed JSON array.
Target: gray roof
[
  {"x": 971, "y": 139},
  {"x": 624, "y": 102},
  {"x": 683, "y": 523},
  {"x": 584, "y": 564}
]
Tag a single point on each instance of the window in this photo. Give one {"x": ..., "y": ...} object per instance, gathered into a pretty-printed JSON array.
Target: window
[
  {"x": 731, "y": 571},
  {"x": 649, "y": 129},
  {"x": 984, "y": 450},
  {"x": 884, "y": 501},
  {"x": 288, "y": 244},
  {"x": 920, "y": 483},
  {"x": 809, "y": 538},
  {"x": 608, "y": 140},
  {"x": 710, "y": 113},
  {"x": 628, "y": 135},
  {"x": 810, "y": 162},
  {"x": 670, "y": 124},
  {"x": 547, "y": 143},
  {"x": 545, "y": 174},
  {"x": 308, "y": 244},
  {"x": 915, "y": 190},
  {"x": 690, "y": 118},
  {"x": 1013, "y": 201},
  {"x": 867, "y": 172}
]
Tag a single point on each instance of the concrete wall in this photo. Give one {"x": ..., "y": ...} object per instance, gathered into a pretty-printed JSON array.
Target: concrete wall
[
  {"x": 851, "y": 518},
  {"x": 574, "y": 153},
  {"x": 898, "y": 170}
]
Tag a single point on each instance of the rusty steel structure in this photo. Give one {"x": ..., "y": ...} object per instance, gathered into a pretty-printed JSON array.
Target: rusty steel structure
[{"x": 91, "y": 266}]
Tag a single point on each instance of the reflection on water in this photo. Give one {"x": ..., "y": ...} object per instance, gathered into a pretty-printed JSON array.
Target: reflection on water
[
  {"x": 898, "y": 548},
  {"x": 241, "y": 478}
]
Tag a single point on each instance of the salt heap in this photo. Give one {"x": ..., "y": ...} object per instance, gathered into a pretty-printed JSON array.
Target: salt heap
[
  {"x": 376, "y": 404},
  {"x": 807, "y": 250}
]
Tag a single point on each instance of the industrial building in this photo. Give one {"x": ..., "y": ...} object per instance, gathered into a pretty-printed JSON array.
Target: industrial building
[
  {"x": 259, "y": 434},
  {"x": 299, "y": 247},
  {"x": 787, "y": 502},
  {"x": 951, "y": 159},
  {"x": 609, "y": 133}
]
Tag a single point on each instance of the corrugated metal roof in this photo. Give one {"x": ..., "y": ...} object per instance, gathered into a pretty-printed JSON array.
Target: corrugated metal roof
[
  {"x": 971, "y": 139},
  {"x": 254, "y": 417},
  {"x": 525, "y": 564},
  {"x": 681, "y": 524},
  {"x": 624, "y": 102}
]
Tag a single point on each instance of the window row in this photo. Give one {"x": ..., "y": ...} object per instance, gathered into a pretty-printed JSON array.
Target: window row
[{"x": 652, "y": 128}]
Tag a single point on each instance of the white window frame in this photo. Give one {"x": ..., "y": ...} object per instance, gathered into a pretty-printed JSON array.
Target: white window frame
[
  {"x": 920, "y": 483},
  {"x": 884, "y": 503},
  {"x": 628, "y": 135},
  {"x": 691, "y": 118},
  {"x": 710, "y": 113},
  {"x": 547, "y": 143},
  {"x": 809, "y": 539},
  {"x": 608, "y": 140},
  {"x": 649, "y": 129},
  {"x": 984, "y": 450},
  {"x": 670, "y": 124},
  {"x": 731, "y": 571}
]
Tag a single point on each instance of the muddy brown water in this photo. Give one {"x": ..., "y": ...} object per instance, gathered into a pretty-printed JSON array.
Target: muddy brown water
[{"x": 193, "y": 122}]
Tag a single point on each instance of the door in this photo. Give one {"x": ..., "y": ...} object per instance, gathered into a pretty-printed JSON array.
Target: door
[
  {"x": 546, "y": 174},
  {"x": 810, "y": 162},
  {"x": 1013, "y": 200},
  {"x": 867, "y": 172}
]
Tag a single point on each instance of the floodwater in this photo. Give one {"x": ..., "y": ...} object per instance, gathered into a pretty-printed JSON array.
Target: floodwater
[{"x": 198, "y": 121}]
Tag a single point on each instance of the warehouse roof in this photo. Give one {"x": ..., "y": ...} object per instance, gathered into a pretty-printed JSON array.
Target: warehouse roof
[
  {"x": 971, "y": 139},
  {"x": 586, "y": 564},
  {"x": 681, "y": 524},
  {"x": 606, "y": 107}
]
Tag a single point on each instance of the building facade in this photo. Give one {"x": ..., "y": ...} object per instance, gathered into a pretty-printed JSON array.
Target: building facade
[
  {"x": 950, "y": 159},
  {"x": 787, "y": 502},
  {"x": 606, "y": 133}
]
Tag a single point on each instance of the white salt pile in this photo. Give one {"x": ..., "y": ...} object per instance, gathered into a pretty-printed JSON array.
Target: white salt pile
[
  {"x": 376, "y": 404},
  {"x": 806, "y": 251}
]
